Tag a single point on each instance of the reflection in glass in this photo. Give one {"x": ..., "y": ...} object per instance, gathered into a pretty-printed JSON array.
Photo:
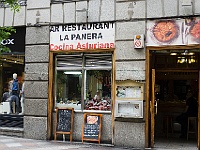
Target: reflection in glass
[
  {"x": 98, "y": 90},
  {"x": 83, "y": 79},
  {"x": 69, "y": 89}
]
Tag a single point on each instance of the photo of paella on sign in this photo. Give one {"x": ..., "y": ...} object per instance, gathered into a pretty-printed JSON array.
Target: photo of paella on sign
[
  {"x": 92, "y": 119},
  {"x": 173, "y": 32}
]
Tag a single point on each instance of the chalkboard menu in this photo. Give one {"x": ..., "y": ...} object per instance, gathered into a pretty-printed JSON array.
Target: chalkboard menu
[
  {"x": 92, "y": 127},
  {"x": 91, "y": 131},
  {"x": 64, "y": 121}
]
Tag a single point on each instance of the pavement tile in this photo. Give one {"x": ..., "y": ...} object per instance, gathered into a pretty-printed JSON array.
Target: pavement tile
[{"x": 15, "y": 143}]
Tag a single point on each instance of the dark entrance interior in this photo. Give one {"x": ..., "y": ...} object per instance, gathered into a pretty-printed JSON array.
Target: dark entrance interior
[{"x": 176, "y": 71}]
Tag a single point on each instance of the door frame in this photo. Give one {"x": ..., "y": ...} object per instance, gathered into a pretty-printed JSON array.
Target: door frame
[{"x": 149, "y": 135}]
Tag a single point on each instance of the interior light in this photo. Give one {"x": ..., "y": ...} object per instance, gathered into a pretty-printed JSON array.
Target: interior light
[
  {"x": 191, "y": 60},
  {"x": 182, "y": 60},
  {"x": 190, "y": 53},
  {"x": 72, "y": 72},
  {"x": 173, "y": 53}
]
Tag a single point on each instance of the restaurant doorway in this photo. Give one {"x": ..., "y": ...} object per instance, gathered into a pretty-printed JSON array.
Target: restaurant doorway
[{"x": 171, "y": 72}]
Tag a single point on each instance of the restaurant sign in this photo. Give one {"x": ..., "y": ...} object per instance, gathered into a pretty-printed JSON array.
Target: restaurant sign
[
  {"x": 16, "y": 41},
  {"x": 82, "y": 36}
]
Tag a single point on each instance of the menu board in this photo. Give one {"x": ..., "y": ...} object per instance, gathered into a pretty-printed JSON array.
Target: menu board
[
  {"x": 129, "y": 92},
  {"x": 91, "y": 131},
  {"x": 64, "y": 121},
  {"x": 92, "y": 127}
]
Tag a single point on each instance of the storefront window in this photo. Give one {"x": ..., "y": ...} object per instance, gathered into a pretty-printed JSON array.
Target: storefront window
[
  {"x": 83, "y": 81},
  {"x": 11, "y": 64},
  {"x": 98, "y": 90},
  {"x": 69, "y": 89}
]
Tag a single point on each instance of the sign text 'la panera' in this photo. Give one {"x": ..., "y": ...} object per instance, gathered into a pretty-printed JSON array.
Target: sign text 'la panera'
[{"x": 82, "y": 36}]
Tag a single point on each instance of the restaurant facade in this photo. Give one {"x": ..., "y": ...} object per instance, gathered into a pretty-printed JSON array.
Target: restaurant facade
[{"x": 123, "y": 60}]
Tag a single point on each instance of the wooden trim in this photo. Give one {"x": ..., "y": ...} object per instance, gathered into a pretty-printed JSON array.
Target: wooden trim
[
  {"x": 50, "y": 98},
  {"x": 113, "y": 94},
  {"x": 152, "y": 108},
  {"x": 168, "y": 47},
  {"x": 198, "y": 138},
  {"x": 147, "y": 101}
]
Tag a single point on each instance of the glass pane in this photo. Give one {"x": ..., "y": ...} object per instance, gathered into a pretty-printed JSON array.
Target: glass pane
[
  {"x": 68, "y": 93},
  {"x": 98, "y": 90},
  {"x": 11, "y": 63}
]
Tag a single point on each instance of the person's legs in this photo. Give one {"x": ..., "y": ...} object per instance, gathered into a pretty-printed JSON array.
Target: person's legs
[
  {"x": 11, "y": 100},
  {"x": 17, "y": 104}
]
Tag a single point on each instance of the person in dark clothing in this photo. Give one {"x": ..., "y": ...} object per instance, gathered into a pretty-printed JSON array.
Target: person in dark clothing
[
  {"x": 191, "y": 111},
  {"x": 15, "y": 99},
  {"x": 5, "y": 96},
  {"x": 14, "y": 94},
  {"x": 15, "y": 86}
]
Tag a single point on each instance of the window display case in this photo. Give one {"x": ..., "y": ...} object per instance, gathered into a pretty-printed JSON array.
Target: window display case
[
  {"x": 129, "y": 99},
  {"x": 83, "y": 82},
  {"x": 129, "y": 109},
  {"x": 98, "y": 90},
  {"x": 69, "y": 89}
]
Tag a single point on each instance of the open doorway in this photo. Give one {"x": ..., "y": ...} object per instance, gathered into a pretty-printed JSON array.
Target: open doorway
[{"x": 172, "y": 73}]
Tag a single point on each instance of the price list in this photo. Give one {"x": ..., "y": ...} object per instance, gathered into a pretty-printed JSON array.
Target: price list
[{"x": 91, "y": 131}]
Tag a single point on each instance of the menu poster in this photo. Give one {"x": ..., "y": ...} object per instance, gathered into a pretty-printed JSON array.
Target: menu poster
[
  {"x": 92, "y": 127},
  {"x": 91, "y": 131},
  {"x": 129, "y": 92},
  {"x": 64, "y": 122}
]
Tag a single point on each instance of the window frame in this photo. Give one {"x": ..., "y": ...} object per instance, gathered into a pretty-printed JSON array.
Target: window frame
[{"x": 84, "y": 78}]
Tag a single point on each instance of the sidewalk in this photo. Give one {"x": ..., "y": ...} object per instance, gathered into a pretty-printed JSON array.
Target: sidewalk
[{"x": 15, "y": 143}]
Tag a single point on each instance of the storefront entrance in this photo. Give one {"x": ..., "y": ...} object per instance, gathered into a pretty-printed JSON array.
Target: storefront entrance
[{"x": 172, "y": 73}]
